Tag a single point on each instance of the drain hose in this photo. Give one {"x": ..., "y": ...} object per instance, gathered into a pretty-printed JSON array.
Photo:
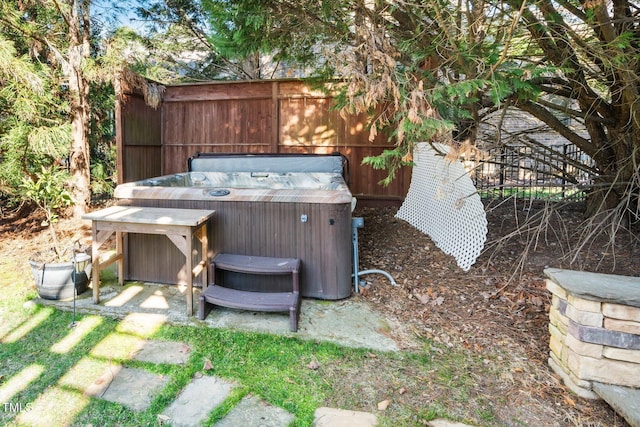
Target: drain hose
[{"x": 384, "y": 273}]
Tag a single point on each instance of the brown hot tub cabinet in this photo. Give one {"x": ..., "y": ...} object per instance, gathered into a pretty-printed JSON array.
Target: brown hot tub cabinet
[{"x": 270, "y": 206}]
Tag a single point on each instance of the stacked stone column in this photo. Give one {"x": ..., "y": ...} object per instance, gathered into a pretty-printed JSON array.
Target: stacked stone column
[{"x": 595, "y": 329}]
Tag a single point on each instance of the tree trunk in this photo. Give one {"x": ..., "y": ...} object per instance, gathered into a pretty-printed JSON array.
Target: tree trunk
[
  {"x": 618, "y": 186},
  {"x": 79, "y": 165},
  {"x": 600, "y": 198},
  {"x": 251, "y": 66}
]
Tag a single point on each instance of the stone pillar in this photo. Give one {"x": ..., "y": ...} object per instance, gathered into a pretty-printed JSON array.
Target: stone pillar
[{"x": 594, "y": 322}]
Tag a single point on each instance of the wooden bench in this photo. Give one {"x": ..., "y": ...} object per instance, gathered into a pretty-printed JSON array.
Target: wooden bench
[{"x": 248, "y": 300}]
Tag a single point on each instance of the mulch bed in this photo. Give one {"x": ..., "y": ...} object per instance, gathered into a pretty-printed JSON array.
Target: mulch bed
[{"x": 500, "y": 306}]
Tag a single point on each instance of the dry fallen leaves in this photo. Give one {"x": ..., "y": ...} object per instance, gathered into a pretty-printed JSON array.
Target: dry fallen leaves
[
  {"x": 430, "y": 297},
  {"x": 207, "y": 365},
  {"x": 424, "y": 299},
  {"x": 383, "y": 405},
  {"x": 163, "y": 419},
  {"x": 569, "y": 401}
]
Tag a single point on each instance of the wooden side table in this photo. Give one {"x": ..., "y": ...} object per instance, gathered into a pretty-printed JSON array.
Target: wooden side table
[{"x": 179, "y": 225}]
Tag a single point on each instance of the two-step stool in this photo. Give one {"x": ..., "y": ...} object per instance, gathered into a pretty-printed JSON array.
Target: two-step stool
[{"x": 249, "y": 300}]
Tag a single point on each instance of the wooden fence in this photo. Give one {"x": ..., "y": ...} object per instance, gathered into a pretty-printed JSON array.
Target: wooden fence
[{"x": 275, "y": 116}]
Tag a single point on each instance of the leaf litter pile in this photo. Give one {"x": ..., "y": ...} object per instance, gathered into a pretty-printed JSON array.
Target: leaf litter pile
[{"x": 498, "y": 310}]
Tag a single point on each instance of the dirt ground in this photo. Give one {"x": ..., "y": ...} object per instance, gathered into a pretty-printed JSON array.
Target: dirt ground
[{"x": 497, "y": 310}]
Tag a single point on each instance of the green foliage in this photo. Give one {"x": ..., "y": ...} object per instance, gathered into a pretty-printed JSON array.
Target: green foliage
[
  {"x": 391, "y": 160},
  {"x": 18, "y": 68},
  {"x": 103, "y": 170},
  {"x": 237, "y": 33},
  {"x": 34, "y": 131},
  {"x": 419, "y": 69},
  {"x": 174, "y": 46},
  {"x": 103, "y": 153},
  {"x": 468, "y": 63},
  {"x": 625, "y": 40},
  {"x": 35, "y": 113},
  {"x": 48, "y": 191},
  {"x": 238, "y": 29}
]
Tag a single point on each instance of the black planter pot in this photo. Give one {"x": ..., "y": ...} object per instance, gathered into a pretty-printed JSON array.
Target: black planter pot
[{"x": 58, "y": 280}]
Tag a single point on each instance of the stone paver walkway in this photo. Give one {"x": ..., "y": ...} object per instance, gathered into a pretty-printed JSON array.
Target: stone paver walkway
[
  {"x": 196, "y": 401},
  {"x": 331, "y": 417},
  {"x": 144, "y": 308},
  {"x": 136, "y": 388},
  {"x": 252, "y": 412},
  {"x": 169, "y": 352},
  {"x": 131, "y": 387},
  {"x": 348, "y": 322}
]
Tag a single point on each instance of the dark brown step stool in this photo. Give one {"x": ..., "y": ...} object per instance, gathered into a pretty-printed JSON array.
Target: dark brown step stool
[{"x": 248, "y": 300}]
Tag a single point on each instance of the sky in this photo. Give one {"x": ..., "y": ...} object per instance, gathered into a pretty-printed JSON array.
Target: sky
[{"x": 118, "y": 14}]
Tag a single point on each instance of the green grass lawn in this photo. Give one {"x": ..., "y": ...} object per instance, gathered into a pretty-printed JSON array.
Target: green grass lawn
[{"x": 45, "y": 366}]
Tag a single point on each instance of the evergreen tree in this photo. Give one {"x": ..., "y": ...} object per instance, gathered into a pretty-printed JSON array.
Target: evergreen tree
[
  {"x": 34, "y": 129},
  {"x": 437, "y": 70},
  {"x": 56, "y": 101}
]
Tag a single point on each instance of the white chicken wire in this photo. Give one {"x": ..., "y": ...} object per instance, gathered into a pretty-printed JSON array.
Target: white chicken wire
[{"x": 443, "y": 203}]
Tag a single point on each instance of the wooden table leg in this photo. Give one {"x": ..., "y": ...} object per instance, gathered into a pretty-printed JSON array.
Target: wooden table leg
[
  {"x": 189, "y": 271},
  {"x": 98, "y": 238},
  {"x": 184, "y": 243},
  {"x": 95, "y": 263},
  {"x": 201, "y": 267},
  {"x": 205, "y": 257},
  {"x": 120, "y": 255},
  {"x": 181, "y": 232}
]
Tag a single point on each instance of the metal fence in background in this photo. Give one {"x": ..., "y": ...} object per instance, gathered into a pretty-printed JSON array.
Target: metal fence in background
[{"x": 541, "y": 172}]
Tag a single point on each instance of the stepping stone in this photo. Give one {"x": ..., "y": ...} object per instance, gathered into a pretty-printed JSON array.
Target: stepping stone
[
  {"x": 142, "y": 324},
  {"x": 130, "y": 387},
  {"x": 332, "y": 417},
  {"x": 195, "y": 402},
  {"x": 170, "y": 352},
  {"x": 117, "y": 345},
  {"x": 253, "y": 412},
  {"x": 441, "y": 422},
  {"x": 55, "y": 406}
]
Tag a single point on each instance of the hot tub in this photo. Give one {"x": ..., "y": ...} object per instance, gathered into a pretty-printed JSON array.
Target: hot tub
[{"x": 262, "y": 209}]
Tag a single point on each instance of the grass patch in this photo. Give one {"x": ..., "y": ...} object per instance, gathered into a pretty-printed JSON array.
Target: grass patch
[{"x": 45, "y": 366}]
